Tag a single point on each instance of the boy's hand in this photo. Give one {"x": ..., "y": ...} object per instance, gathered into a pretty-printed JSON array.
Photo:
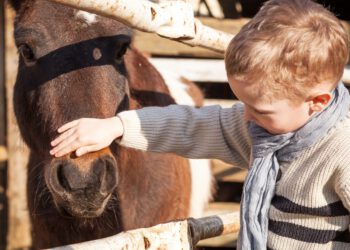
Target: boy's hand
[{"x": 86, "y": 135}]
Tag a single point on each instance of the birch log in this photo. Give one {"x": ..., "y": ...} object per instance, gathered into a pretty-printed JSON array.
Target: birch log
[
  {"x": 171, "y": 19},
  {"x": 170, "y": 236}
]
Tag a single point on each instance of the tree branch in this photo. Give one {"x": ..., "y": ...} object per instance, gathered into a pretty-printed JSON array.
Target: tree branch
[{"x": 170, "y": 19}]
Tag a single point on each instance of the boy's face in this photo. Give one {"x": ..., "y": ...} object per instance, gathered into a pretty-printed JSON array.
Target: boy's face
[{"x": 276, "y": 116}]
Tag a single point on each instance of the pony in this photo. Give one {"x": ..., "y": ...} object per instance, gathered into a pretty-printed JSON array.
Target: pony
[{"x": 71, "y": 65}]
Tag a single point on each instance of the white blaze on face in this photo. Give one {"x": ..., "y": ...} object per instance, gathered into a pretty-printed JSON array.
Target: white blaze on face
[
  {"x": 201, "y": 175},
  {"x": 86, "y": 17}
]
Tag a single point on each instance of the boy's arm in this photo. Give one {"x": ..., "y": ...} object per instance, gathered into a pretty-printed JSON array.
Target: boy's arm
[{"x": 208, "y": 132}]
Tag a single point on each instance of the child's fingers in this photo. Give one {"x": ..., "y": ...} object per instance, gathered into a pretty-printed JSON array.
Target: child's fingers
[
  {"x": 62, "y": 137},
  {"x": 67, "y": 149},
  {"x": 70, "y": 142},
  {"x": 68, "y": 126},
  {"x": 84, "y": 150}
]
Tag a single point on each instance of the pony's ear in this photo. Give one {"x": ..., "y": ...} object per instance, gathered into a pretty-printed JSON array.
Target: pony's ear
[{"x": 15, "y": 4}]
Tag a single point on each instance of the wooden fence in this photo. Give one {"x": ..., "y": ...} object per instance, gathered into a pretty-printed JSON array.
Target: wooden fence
[{"x": 14, "y": 221}]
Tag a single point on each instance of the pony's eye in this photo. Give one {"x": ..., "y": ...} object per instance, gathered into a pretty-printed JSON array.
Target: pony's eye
[
  {"x": 121, "y": 51},
  {"x": 27, "y": 54},
  {"x": 122, "y": 47}
]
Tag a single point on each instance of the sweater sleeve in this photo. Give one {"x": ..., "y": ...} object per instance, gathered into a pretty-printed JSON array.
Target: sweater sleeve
[{"x": 208, "y": 132}]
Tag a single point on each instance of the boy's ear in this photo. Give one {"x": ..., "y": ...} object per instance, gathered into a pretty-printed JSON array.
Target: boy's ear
[
  {"x": 320, "y": 101},
  {"x": 15, "y": 4}
]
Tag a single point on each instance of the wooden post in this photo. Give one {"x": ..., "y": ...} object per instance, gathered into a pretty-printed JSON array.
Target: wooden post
[
  {"x": 2, "y": 77},
  {"x": 18, "y": 236},
  {"x": 3, "y": 173}
]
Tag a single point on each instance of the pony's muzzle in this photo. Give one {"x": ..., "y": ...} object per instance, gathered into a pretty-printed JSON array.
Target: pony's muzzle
[{"x": 82, "y": 189}]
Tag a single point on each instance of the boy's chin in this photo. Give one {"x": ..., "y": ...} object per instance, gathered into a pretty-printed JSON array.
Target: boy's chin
[
  {"x": 277, "y": 131},
  {"x": 272, "y": 132}
]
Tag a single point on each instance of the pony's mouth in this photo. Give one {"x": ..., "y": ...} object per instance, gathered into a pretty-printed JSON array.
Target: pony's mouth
[
  {"x": 73, "y": 213},
  {"x": 81, "y": 209}
]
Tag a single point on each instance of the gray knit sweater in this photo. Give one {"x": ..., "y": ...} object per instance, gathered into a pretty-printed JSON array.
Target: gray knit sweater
[{"x": 310, "y": 209}]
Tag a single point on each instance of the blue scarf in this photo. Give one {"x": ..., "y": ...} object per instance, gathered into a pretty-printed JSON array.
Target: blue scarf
[{"x": 267, "y": 151}]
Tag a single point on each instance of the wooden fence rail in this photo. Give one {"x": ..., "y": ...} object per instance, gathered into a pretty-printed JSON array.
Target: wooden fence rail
[
  {"x": 172, "y": 236},
  {"x": 206, "y": 70}
]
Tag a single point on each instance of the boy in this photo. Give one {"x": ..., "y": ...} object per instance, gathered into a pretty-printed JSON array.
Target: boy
[{"x": 291, "y": 130}]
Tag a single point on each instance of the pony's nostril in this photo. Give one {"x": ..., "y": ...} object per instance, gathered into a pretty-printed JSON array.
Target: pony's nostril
[
  {"x": 108, "y": 178},
  {"x": 56, "y": 177},
  {"x": 62, "y": 179}
]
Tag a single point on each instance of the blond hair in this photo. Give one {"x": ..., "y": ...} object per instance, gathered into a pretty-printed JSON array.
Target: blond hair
[{"x": 289, "y": 47}]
